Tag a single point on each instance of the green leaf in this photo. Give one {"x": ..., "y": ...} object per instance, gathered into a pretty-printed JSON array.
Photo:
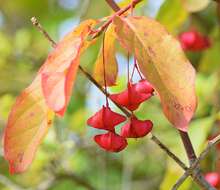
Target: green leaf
[
  {"x": 172, "y": 14},
  {"x": 210, "y": 58},
  {"x": 195, "y": 5}
]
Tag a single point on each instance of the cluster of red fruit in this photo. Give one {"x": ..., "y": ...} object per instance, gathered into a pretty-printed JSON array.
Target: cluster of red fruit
[
  {"x": 106, "y": 119},
  {"x": 194, "y": 41}
]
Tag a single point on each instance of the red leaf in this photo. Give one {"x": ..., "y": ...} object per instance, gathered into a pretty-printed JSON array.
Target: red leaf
[
  {"x": 60, "y": 68},
  {"x": 30, "y": 116}
]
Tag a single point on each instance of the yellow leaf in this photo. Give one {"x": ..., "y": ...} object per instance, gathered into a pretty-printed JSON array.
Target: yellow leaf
[
  {"x": 28, "y": 122},
  {"x": 111, "y": 65},
  {"x": 162, "y": 61}
]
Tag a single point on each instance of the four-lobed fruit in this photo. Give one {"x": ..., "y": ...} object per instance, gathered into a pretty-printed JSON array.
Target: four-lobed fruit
[
  {"x": 134, "y": 95},
  {"x": 136, "y": 128},
  {"x": 111, "y": 142}
]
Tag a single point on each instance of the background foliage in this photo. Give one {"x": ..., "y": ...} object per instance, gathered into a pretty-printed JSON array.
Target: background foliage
[{"x": 68, "y": 158}]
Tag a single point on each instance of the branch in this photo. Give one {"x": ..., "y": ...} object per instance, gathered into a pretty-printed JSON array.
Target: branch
[
  {"x": 184, "y": 136},
  {"x": 113, "y": 5},
  {"x": 169, "y": 153},
  {"x": 128, "y": 114},
  {"x": 91, "y": 79},
  {"x": 97, "y": 32},
  {"x": 204, "y": 153},
  {"x": 188, "y": 146},
  {"x": 44, "y": 32}
]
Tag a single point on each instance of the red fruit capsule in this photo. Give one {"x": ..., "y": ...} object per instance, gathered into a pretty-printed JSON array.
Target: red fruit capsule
[
  {"x": 134, "y": 95},
  {"x": 213, "y": 178},
  {"x": 143, "y": 86},
  {"x": 111, "y": 142},
  {"x": 136, "y": 128},
  {"x": 194, "y": 41},
  {"x": 105, "y": 119}
]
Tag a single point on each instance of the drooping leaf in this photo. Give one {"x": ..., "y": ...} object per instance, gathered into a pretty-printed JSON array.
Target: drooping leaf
[
  {"x": 31, "y": 114},
  {"x": 195, "y": 5},
  {"x": 27, "y": 124},
  {"x": 111, "y": 65},
  {"x": 59, "y": 70},
  {"x": 163, "y": 63}
]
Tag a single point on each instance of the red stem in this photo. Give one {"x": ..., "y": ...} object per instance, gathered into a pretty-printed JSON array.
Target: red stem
[
  {"x": 104, "y": 71},
  {"x": 136, "y": 66},
  {"x": 128, "y": 69}
]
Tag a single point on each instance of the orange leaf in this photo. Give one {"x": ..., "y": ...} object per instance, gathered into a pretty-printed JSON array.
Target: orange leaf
[
  {"x": 27, "y": 124},
  {"x": 60, "y": 68},
  {"x": 111, "y": 65},
  {"x": 163, "y": 63},
  {"x": 31, "y": 116}
]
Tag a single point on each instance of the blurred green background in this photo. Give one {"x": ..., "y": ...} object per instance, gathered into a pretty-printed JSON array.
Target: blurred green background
[{"x": 68, "y": 159}]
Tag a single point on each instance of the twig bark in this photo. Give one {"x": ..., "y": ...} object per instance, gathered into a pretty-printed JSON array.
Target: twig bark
[
  {"x": 91, "y": 79},
  {"x": 113, "y": 5},
  {"x": 188, "y": 146},
  {"x": 44, "y": 32},
  {"x": 204, "y": 153},
  {"x": 97, "y": 32},
  {"x": 192, "y": 159}
]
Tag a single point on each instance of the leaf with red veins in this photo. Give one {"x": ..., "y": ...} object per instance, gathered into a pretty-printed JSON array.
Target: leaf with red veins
[
  {"x": 136, "y": 128},
  {"x": 163, "y": 63},
  {"x": 62, "y": 64},
  {"x": 105, "y": 119},
  {"x": 111, "y": 142},
  {"x": 111, "y": 65}
]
